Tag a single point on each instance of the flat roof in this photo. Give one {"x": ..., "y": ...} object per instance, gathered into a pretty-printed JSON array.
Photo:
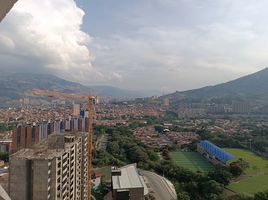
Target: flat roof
[
  {"x": 42, "y": 151},
  {"x": 129, "y": 178},
  {"x": 46, "y": 154}
]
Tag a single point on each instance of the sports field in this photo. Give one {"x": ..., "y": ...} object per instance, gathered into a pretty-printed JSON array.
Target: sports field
[
  {"x": 191, "y": 160},
  {"x": 256, "y": 176}
]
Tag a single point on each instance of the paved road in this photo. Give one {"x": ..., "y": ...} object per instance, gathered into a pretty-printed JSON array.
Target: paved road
[
  {"x": 102, "y": 143},
  {"x": 160, "y": 187},
  {"x": 163, "y": 136}
]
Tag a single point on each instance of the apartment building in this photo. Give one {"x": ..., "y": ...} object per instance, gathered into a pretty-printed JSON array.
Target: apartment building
[
  {"x": 55, "y": 169},
  {"x": 25, "y": 136},
  {"x": 76, "y": 109}
]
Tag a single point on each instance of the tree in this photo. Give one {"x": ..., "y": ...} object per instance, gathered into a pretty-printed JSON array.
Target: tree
[
  {"x": 183, "y": 196},
  {"x": 242, "y": 163},
  {"x": 221, "y": 175},
  {"x": 113, "y": 148},
  {"x": 192, "y": 189},
  {"x": 137, "y": 154},
  {"x": 236, "y": 169},
  {"x": 101, "y": 191},
  {"x": 159, "y": 128},
  {"x": 165, "y": 154},
  {"x": 4, "y": 157},
  {"x": 211, "y": 187},
  {"x": 152, "y": 155},
  {"x": 261, "y": 195},
  {"x": 240, "y": 197}
]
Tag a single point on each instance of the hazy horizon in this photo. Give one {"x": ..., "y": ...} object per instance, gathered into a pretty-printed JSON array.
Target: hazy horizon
[{"x": 161, "y": 45}]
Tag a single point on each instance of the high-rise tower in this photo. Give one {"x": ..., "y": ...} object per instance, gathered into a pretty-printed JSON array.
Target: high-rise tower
[{"x": 55, "y": 169}]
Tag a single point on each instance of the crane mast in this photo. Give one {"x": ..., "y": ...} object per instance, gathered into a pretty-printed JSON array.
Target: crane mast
[{"x": 91, "y": 100}]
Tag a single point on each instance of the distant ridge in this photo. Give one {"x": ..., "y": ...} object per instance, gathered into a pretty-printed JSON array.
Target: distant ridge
[
  {"x": 252, "y": 87},
  {"x": 19, "y": 85}
]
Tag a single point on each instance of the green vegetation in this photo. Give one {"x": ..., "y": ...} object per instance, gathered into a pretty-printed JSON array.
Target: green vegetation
[
  {"x": 191, "y": 185},
  {"x": 102, "y": 190},
  {"x": 258, "y": 140},
  {"x": 191, "y": 160},
  {"x": 255, "y": 178},
  {"x": 193, "y": 177},
  {"x": 123, "y": 148},
  {"x": 105, "y": 173},
  {"x": 6, "y": 127},
  {"x": 4, "y": 156}
]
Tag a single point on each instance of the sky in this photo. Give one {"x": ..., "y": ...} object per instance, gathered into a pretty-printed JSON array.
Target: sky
[{"x": 161, "y": 45}]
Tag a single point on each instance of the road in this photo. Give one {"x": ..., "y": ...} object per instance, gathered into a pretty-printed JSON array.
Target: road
[
  {"x": 163, "y": 136},
  {"x": 162, "y": 189},
  {"x": 102, "y": 142}
]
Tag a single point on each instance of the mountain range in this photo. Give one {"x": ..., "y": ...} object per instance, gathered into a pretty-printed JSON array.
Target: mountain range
[
  {"x": 15, "y": 86},
  {"x": 253, "y": 87}
]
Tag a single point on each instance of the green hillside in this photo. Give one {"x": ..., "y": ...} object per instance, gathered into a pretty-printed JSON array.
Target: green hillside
[{"x": 255, "y": 178}]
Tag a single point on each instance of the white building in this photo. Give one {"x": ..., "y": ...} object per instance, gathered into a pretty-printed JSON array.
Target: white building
[{"x": 128, "y": 184}]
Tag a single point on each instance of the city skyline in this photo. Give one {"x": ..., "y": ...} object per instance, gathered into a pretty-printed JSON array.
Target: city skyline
[{"x": 165, "y": 45}]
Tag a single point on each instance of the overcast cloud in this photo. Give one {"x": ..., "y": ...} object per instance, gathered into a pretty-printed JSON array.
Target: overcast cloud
[
  {"x": 45, "y": 36},
  {"x": 163, "y": 45}
]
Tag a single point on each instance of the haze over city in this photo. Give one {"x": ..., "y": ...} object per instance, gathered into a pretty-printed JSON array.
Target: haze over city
[
  {"x": 133, "y": 100},
  {"x": 162, "y": 45}
]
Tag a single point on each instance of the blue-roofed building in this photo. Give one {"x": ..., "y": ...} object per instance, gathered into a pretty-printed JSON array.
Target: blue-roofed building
[{"x": 213, "y": 153}]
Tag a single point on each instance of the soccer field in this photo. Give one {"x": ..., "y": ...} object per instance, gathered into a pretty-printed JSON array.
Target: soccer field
[
  {"x": 191, "y": 160},
  {"x": 256, "y": 176}
]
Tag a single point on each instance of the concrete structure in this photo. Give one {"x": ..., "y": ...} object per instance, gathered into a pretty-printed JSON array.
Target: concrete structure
[
  {"x": 127, "y": 184},
  {"x": 5, "y": 6},
  {"x": 159, "y": 187},
  {"x": 76, "y": 110},
  {"x": 52, "y": 170},
  {"x": 95, "y": 180},
  {"x": 3, "y": 194},
  {"x": 241, "y": 107},
  {"x": 166, "y": 102},
  {"x": 5, "y": 145},
  {"x": 25, "y": 136}
]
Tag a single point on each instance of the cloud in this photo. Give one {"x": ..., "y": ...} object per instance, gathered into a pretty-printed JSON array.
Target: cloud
[
  {"x": 46, "y": 36},
  {"x": 183, "y": 58},
  {"x": 146, "y": 44},
  {"x": 185, "y": 44}
]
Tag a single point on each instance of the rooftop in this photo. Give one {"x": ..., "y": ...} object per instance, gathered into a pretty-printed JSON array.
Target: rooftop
[
  {"x": 46, "y": 149},
  {"x": 216, "y": 151},
  {"x": 129, "y": 178}
]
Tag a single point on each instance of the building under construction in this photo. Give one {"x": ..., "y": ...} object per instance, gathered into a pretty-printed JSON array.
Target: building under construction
[
  {"x": 25, "y": 136},
  {"x": 57, "y": 168}
]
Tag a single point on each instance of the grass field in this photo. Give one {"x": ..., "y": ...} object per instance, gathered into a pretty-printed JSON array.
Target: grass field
[
  {"x": 191, "y": 160},
  {"x": 256, "y": 176},
  {"x": 105, "y": 172}
]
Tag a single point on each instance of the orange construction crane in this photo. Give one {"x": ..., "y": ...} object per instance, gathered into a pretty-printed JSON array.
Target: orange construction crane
[{"x": 92, "y": 100}]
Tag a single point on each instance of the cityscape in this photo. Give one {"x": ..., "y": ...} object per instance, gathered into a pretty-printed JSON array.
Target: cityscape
[{"x": 71, "y": 132}]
